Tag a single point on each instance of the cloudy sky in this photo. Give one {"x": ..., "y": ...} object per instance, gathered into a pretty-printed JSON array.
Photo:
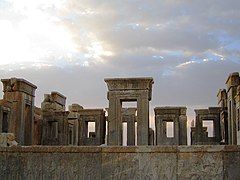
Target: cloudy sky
[{"x": 70, "y": 46}]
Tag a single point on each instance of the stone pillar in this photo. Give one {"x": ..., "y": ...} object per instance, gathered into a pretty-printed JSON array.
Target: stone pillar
[
  {"x": 237, "y": 100},
  {"x": 124, "y": 90},
  {"x": 5, "y": 116},
  {"x": 183, "y": 128},
  {"x": 114, "y": 124},
  {"x": 37, "y": 126},
  {"x": 151, "y": 137},
  {"x": 73, "y": 123},
  {"x": 232, "y": 82},
  {"x": 22, "y": 95},
  {"x": 177, "y": 115},
  {"x": 129, "y": 116},
  {"x": 143, "y": 119},
  {"x": 222, "y": 103}
]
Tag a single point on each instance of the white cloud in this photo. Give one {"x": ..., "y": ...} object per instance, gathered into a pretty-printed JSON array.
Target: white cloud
[{"x": 185, "y": 64}]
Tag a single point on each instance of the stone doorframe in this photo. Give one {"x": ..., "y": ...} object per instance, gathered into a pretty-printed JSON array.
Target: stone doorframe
[{"x": 127, "y": 90}]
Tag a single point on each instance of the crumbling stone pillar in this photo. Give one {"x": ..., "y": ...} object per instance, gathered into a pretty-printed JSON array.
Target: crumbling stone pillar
[
  {"x": 5, "y": 116},
  {"x": 222, "y": 103},
  {"x": 55, "y": 120},
  {"x": 151, "y": 137},
  {"x": 199, "y": 134},
  {"x": 232, "y": 82},
  {"x": 177, "y": 115},
  {"x": 22, "y": 94},
  {"x": 96, "y": 138},
  {"x": 7, "y": 139},
  {"x": 37, "y": 136},
  {"x": 237, "y": 100},
  {"x": 124, "y": 90},
  {"x": 73, "y": 123}
]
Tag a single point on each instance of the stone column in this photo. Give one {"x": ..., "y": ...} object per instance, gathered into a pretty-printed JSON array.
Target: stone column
[
  {"x": 151, "y": 137},
  {"x": 237, "y": 100},
  {"x": 143, "y": 119},
  {"x": 129, "y": 116},
  {"x": 114, "y": 121},
  {"x": 232, "y": 82},
  {"x": 222, "y": 103},
  {"x": 131, "y": 131},
  {"x": 183, "y": 129}
]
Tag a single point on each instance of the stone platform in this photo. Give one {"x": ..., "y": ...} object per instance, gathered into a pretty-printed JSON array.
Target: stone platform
[{"x": 142, "y": 162}]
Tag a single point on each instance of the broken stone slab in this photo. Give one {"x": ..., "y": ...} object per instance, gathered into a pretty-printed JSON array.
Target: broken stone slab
[{"x": 7, "y": 139}]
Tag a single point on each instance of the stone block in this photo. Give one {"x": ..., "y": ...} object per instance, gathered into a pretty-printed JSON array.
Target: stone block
[{"x": 200, "y": 162}]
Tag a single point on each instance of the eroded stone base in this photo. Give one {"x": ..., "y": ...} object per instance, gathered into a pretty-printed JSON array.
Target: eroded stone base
[{"x": 143, "y": 162}]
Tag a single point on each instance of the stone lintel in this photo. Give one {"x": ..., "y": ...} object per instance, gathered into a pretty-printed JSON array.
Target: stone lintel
[
  {"x": 210, "y": 110},
  {"x": 126, "y": 84},
  {"x": 232, "y": 80},
  {"x": 90, "y": 112},
  {"x": 181, "y": 110},
  {"x": 18, "y": 84}
]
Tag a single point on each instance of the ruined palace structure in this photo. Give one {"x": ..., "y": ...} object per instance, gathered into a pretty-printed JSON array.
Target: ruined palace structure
[
  {"x": 52, "y": 142},
  {"x": 52, "y": 124}
]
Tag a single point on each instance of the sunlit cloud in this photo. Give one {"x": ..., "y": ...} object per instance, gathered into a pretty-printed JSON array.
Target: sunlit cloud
[{"x": 185, "y": 64}]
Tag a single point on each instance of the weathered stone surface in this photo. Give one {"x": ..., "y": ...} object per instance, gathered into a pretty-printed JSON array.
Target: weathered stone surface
[
  {"x": 7, "y": 139},
  {"x": 142, "y": 162},
  {"x": 231, "y": 161},
  {"x": 199, "y": 163}
]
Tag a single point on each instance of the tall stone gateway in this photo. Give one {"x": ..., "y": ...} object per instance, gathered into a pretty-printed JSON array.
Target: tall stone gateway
[
  {"x": 96, "y": 118},
  {"x": 177, "y": 117},
  {"x": 232, "y": 82},
  {"x": 125, "y": 90},
  {"x": 199, "y": 133},
  {"x": 22, "y": 94}
]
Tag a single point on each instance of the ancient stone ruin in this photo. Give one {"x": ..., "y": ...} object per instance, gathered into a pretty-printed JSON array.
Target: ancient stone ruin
[
  {"x": 52, "y": 142},
  {"x": 175, "y": 115},
  {"x": 122, "y": 90}
]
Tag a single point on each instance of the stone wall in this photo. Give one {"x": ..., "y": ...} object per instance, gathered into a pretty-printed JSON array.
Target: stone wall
[{"x": 143, "y": 162}]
